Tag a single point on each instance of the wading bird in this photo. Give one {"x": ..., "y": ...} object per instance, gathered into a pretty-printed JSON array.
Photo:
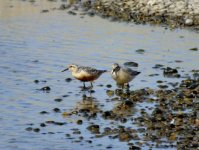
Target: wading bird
[
  {"x": 122, "y": 75},
  {"x": 84, "y": 74}
]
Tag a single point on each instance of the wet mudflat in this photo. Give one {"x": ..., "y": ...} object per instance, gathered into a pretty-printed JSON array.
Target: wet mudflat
[{"x": 42, "y": 108}]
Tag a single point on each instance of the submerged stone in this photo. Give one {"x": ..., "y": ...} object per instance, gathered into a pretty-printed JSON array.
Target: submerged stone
[
  {"x": 64, "y": 6},
  {"x": 46, "y": 88},
  {"x": 131, "y": 64},
  {"x": 110, "y": 93},
  {"x": 79, "y": 122},
  {"x": 36, "y": 130},
  {"x": 132, "y": 147},
  {"x": 57, "y": 110},
  {"x": 36, "y": 81},
  {"x": 108, "y": 85},
  {"x": 29, "y": 129},
  {"x": 140, "y": 51},
  {"x": 42, "y": 124},
  {"x": 68, "y": 79},
  {"x": 163, "y": 86},
  {"x": 94, "y": 129},
  {"x": 72, "y": 12},
  {"x": 44, "y": 112},
  {"x": 44, "y": 11},
  {"x": 193, "y": 49},
  {"x": 125, "y": 136}
]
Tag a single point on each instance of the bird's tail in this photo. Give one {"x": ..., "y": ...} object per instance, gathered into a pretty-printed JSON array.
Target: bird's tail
[
  {"x": 138, "y": 72},
  {"x": 103, "y": 71}
]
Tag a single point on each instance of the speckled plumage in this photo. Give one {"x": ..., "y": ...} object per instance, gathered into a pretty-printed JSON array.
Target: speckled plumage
[
  {"x": 91, "y": 71},
  {"x": 123, "y": 75},
  {"x": 84, "y": 73}
]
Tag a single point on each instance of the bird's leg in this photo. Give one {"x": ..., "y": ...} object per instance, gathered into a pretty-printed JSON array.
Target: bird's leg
[
  {"x": 91, "y": 85},
  {"x": 122, "y": 87},
  {"x": 127, "y": 85},
  {"x": 84, "y": 85},
  {"x": 127, "y": 90}
]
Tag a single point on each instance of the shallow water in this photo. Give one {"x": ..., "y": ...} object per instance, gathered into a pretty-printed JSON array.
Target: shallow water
[{"x": 37, "y": 46}]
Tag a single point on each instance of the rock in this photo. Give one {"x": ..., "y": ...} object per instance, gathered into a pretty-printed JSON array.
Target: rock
[
  {"x": 123, "y": 120},
  {"x": 57, "y": 110},
  {"x": 46, "y": 88},
  {"x": 173, "y": 136},
  {"x": 70, "y": 12},
  {"x": 163, "y": 86},
  {"x": 169, "y": 70},
  {"x": 64, "y": 6},
  {"x": 36, "y": 130},
  {"x": 29, "y": 129},
  {"x": 55, "y": 123},
  {"x": 36, "y": 81},
  {"x": 108, "y": 85},
  {"x": 42, "y": 124},
  {"x": 140, "y": 51},
  {"x": 44, "y": 11},
  {"x": 188, "y": 22},
  {"x": 110, "y": 93},
  {"x": 58, "y": 99},
  {"x": 91, "y": 13},
  {"x": 193, "y": 49},
  {"x": 128, "y": 104},
  {"x": 132, "y": 147},
  {"x": 44, "y": 112},
  {"x": 131, "y": 64},
  {"x": 66, "y": 114},
  {"x": 94, "y": 129},
  {"x": 125, "y": 136},
  {"x": 67, "y": 135},
  {"x": 157, "y": 66},
  {"x": 77, "y": 132},
  {"x": 68, "y": 79},
  {"x": 79, "y": 122}
]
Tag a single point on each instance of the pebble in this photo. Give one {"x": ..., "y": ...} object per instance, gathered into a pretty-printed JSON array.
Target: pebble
[
  {"x": 46, "y": 88},
  {"x": 44, "y": 11},
  {"x": 94, "y": 128},
  {"x": 36, "y": 130},
  {"x": 58, "y": 99},
  {"x": 189, "y": 22},
  {"x": 57, "y": 110},
  {"x": 79, "y": 122},
  {"x": 131, "y": 64}
]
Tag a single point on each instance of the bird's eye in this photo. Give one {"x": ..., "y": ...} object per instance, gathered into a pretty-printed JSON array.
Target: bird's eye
[{"x": 72, "y": 66}]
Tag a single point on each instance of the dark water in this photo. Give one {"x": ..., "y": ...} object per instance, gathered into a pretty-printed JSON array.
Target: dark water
[{"x": 37, "y": 46}]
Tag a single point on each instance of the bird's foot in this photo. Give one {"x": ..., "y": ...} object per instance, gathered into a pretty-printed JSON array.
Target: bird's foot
[
  {"x": 126, "y": 86},
  {"x": 84, "y": 88}
]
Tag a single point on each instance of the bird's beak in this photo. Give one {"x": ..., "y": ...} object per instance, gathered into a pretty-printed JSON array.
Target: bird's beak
[
  {"x": 114, "y": 70},
  {"x": 64, "y": 70}
]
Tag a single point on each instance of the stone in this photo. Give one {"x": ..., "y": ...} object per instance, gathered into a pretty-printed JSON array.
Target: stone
[{"x": 188, "y": 22}]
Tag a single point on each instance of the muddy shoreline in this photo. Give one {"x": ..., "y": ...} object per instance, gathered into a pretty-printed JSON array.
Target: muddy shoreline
[{"x": 171, "y": 123}]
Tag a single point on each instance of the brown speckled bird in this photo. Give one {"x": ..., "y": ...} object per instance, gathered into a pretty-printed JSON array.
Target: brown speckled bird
[{"x": 84, "y": 74}]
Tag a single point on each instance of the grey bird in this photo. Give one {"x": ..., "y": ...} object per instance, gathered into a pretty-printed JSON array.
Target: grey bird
[
  {"x": 123, "y": 75},
  {"x": 84, "y": 74}
]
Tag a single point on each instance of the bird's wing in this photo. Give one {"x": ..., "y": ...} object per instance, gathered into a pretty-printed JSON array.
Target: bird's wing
[
  {"x": 130, "y": 71},
  {"x": 88, "y": 69}
]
